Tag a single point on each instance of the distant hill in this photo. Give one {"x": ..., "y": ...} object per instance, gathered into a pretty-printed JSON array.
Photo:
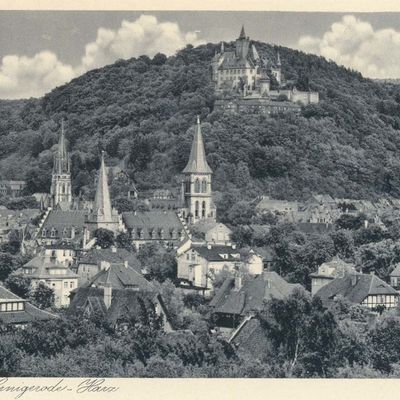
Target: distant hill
[{"x": 142, "y": 110}]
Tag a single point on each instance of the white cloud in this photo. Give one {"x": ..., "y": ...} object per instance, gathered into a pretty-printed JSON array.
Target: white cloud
[
  {"x": 144, "y": 36},
  {"x": 22, "y": 77},
  {"x": 355, "y": 44}
]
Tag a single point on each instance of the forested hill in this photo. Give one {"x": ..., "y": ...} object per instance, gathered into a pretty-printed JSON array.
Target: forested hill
[{"x": 142, "y": 110}]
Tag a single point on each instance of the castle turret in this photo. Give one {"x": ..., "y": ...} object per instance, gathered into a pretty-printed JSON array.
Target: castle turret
[
  {"x": 61, "y": 190},
  {"x": 196, "y": 186},
  {"x": 242, "y": 45}
]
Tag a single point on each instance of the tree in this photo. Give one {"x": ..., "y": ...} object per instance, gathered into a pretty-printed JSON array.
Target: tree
[
  {"x": 124, "y": 241},
  {"x": 20, "y": 285},
  {"x": 349, "y": 221},
  {"x": 303, "y": 333},
  {"x": 104, "y": 238},
  {"x": 6, "y": 265},
  {"x": 42, "y": 296}
]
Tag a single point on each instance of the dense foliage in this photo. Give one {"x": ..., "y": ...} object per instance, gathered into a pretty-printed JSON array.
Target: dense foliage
[{"x": 142, "y": 110}]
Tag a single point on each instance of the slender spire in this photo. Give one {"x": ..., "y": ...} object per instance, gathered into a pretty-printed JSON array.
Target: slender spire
[
  {"x": 242, "y": 33},
  {"x": 222, "y": 47},
  {"x": 278, "y": 60},
  {"x": 197, "y": 160},
  {"x": 102, "y": 202},
  {"x": 61, "y": 160}
]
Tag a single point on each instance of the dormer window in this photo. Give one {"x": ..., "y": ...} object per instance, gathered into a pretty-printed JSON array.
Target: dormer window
[
  {"x": 44, "y": 232},
  {"x": 53, "y": 232}
]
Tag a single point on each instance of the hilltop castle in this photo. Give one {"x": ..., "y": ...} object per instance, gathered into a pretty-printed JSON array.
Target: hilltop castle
[{"x": 243, "y": 81}]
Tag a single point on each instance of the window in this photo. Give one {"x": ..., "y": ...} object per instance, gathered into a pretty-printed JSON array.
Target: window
[
  {"x": 53, "y": 232},
  {"x": 71, "y": 285},
  {"x": 65, "y": 285},
  {"x": 203, "y": 209},
  {"x": 197, "y": 185},
  {"x": 9, "y": 306},
  {"x": 204, "y": 185},
  {"x": 3, "y": 307},
  {"x": 44, "y": 232},
  {"x": 196, "y": 209},
  {"x": 188, "y": 256}
]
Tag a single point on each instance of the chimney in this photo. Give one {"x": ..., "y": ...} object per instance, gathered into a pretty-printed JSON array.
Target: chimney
[
  {"x": 209, "y": 246},
  {"x": 104, "y": 265},
  {"x": 113, "y": 249},
  {"x": 73, "y": 232},
  {"x": 354, "y": 279},
  {"x": 238, "y": 282},
  {"x": 233, "y": 246},
  {"x": 366, "y": 224},
  {"x": 107, "y": 295},
  {"x": 126, "y": 264},
  {"x": 372, "y": 273}
]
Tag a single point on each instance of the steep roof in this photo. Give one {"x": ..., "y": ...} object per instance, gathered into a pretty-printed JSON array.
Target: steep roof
[
  {"x": 125, "y": 303},
  {"x": 120, "y": 276},
  {"x": 64, "y": 220},
  {"x": 29, "y": 314},
  {"x": 117, "y": 255},
  {"x": 253, "y": 293},
  {"x": 197, "y": 160},
  {"x": 102, "y": 201},
  {"x": 355, "y": 288},
  {"x": 335, "y": 268},
  {"x": 242, "y": 34}
]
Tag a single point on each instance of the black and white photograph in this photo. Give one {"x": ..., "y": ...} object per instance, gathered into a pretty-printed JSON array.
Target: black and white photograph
[{"x": 199, "y": 194}]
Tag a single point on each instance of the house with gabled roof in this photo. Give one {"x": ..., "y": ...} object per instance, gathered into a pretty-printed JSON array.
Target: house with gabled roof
[
  {"x": 395, "y": 277},
  {"x": 365, "y": 289},
  {"x": 120, "y": 293},
  {"x": 92, "y": 261},
  {"x": 19, "y": 312},
  {"x": 328, "y": 271},
  {"x": 240, "y": 297}
]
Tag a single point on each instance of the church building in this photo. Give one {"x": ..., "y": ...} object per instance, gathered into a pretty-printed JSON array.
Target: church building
[{"x": 196, "y": 191}]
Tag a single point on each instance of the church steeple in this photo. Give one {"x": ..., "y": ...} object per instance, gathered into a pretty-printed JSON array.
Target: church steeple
[
  {"x": 197, "y": 160},
  {"x": 196, "y": 186},
  {"x": 102, "y": 201},
  {"x": 61, "y": 191},
  {"x": 103, "y": 215}
]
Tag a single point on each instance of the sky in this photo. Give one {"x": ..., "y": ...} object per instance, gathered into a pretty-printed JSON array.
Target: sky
[{"x": 40, "y": 50}]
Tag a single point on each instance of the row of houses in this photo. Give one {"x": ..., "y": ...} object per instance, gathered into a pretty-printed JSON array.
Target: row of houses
[{"x": 324, "y": 209}]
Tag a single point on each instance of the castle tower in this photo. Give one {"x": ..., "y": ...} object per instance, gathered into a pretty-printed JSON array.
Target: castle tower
[
  {"x": 103, "y": 215},
  {"x": 196, "y": 185},
  {"x": 242, "y": 45},
  {"x": 60, "y": 190}
]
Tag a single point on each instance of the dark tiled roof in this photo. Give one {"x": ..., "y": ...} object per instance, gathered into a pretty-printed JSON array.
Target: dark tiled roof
[
  {"x": 96, "y": 256},
  {"x": 215, "y": 253},
  {"x": 29, "y": 314},
  {"x": 121, "y": 277},
  {"x": 125, "y": 303},
  {"x": 355, "y": 288},
  {"x": 250, "y": 339},
  {"x": 230, "y": 61},
  {"x": 251, "y": 296},
  {"x": 153, "y": 224},
  {"x": 63, "y": 222}
]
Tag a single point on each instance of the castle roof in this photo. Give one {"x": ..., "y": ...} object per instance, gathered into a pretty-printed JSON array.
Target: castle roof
[
  {"x": 197, "y": 160},
  {"x": 62, "y": 223},
  {"x": 242, "y": 34}
]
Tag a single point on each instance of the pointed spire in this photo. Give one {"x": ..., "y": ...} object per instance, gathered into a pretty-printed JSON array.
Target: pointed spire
[
  {"x": 242, "y": 33},
  {"x": 278, "y": 60},
  {"x": 102, "y": 201},
  {"x": 61, "y": 160},
  {"x": 222, "y": 47},
  {"x": 197, "y": 160}
]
